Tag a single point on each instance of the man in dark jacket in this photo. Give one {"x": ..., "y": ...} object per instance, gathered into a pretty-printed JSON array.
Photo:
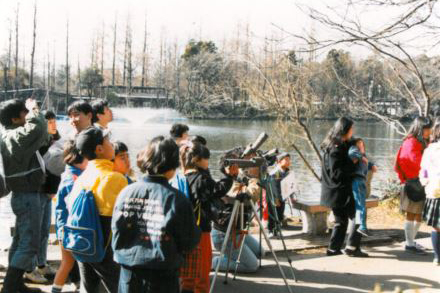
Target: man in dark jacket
[{"x": 25, "y": 131}]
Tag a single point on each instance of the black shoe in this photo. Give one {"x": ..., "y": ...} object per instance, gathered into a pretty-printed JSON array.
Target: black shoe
[
  {"x": 26, "y": 289},
  {"x": 332, "y": 253},
  {"x": 355, "y": 253},
  {"x": 364, "y": 232}
]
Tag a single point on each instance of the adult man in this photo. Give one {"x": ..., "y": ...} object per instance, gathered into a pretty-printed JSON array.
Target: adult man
[
  {"x": 80, "y": 115},
  {"x": 102, "y": 114},
  {"x": 25, "y": 132}
]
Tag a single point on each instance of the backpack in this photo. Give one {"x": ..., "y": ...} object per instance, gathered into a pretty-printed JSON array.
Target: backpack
[{"x": 83, "y": 234}]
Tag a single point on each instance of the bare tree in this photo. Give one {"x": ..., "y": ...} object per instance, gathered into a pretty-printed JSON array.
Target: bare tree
[
  {"x": 16, "y": 49},
  {"x": 67, "y": 65},
  {"x": 391, "y": 41},
  {"x": 144, "y": 54},
  {"x": 102, "y": 48},
  {"x": 115, "y": 27},
  {"x": 34, "y": 36}
]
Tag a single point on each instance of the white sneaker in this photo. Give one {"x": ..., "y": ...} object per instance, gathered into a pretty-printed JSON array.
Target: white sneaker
[
  {"x": 419, "y": 246},
  {"x": 47, "y": 270},
  {"x": 35, "y": 277}
]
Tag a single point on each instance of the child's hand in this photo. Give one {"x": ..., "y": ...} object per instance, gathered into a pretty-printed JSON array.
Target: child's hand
[
  {"x": 374, "y": 169},
  {"x": 365, "y": 160}
]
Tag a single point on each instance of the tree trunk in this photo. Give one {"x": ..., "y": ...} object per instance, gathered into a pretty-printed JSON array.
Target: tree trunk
[
  {"x": 67, "y": 66},
  {"x": 31, "y": 77},
  {"x": 114, "y": 51},
  {"x": 16, "y": 51},
  {"x": 144, "y": 53}
]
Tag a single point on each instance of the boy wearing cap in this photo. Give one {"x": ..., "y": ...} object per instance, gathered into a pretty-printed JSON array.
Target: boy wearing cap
[
  {"x": 94, "y": 145},
  {"x": 277, "y": 175}
]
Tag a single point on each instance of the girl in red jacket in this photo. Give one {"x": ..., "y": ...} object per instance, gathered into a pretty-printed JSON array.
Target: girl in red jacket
[{"x": 407, "y": 167}]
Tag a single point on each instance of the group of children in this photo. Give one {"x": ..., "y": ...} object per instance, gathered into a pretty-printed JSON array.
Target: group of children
[{"x": 153, "y": 238}]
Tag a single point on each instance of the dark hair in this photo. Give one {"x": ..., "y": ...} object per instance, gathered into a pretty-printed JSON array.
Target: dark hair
[
  {"x": 160, "y": 155},
  {"x": 79, "y": 106},
  {"x": 11, "y": 109},
  {"x": 192, "y": 152},
  {"x": 334, "y": 137},
  {"x": 49, "y": 115},
  {"x": 87, "y": 140},
  {"x": 71, "y": 154},
  {"x": 231, "y": 154},
  {"x": 435, "y": 134},
  {"x": 178, "y": 129},
  {"x": 417, "y": 127},
  {"x": 198, "y": 138},
  {"x": 119, "y": 147},
  {"x": 98, "y": 107}
]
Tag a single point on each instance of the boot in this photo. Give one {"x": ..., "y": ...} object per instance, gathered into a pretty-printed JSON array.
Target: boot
[{"x": 13, "y": 280}]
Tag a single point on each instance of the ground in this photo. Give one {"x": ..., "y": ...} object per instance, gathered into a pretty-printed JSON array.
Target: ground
[{"x": 388, "y": 266}]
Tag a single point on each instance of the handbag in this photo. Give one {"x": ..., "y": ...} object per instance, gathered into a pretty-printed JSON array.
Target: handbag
[{"x": 414, "y": 190}]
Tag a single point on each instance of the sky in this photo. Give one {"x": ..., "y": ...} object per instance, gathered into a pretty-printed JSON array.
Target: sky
[{"x": 176, "y": 20}]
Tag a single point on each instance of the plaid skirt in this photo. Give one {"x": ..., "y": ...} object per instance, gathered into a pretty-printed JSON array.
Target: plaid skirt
[
  {"x": 191, "y": 266},
  {"x": 431, "y": 212}
]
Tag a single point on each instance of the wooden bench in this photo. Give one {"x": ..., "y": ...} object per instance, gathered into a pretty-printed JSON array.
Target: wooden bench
[{"x": 314, "y": 215}]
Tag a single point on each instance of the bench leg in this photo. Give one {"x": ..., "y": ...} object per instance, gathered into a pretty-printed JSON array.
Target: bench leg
[{"x": 314, "y": 224}]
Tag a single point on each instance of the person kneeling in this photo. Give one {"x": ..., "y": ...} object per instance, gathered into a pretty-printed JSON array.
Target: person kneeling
[
  {"x": 248, "y": 259},
  {"x": 153, "y": 224}
]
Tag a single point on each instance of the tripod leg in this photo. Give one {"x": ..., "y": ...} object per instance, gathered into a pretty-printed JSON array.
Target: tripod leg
[
  {"x": 225, "y": 243},
  {"x": 237, "y": 263},
  {"x": 289, "y": 260},
  {"x": 271, "y": 248}
]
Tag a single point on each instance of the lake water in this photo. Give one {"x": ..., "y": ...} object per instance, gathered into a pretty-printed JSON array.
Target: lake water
[{"x": 137, "y": 126}]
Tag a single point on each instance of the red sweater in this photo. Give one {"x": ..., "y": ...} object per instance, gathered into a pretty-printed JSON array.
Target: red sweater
[{"x": 408, "y": 159}]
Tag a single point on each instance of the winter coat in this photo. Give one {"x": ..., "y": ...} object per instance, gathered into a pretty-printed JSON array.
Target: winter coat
[
  {"x": 152, "y": 225},
  {"x": 361, "y": 169},
  {"x": 19, "y": 147},
  {"x": 201, "y": 191},
  {"x": 337, "y": 176},
  {"x": 430, "y": 170},
  {"x": 103, "y": 181},
  {"x": 408, "y": 159}
]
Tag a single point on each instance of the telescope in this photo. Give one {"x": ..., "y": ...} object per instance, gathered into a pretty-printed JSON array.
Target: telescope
[
  {"x": 253, "y": 147},
  {"x": 254, "y": 162}
]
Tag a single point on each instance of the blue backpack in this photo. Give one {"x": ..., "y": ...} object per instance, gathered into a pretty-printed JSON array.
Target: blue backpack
[
  {"x": 83, "y": 234},
  {"x": 181, "y": 183}
]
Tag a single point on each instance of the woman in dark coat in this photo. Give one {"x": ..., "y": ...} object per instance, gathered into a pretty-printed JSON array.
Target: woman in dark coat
[{"x": 336, "y": 191}]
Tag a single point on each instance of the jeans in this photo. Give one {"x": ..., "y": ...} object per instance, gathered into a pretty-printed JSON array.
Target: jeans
[
  {"x": 134, "y": 280},
  {"x": 46, "y": 218},
  {"x": 342, "y": 217},
  {"x": 248, "y": 262},
  {"x": 279, "y": 214},
  {"x": 26, "y": 241},
  {"x": 359, "y": 193},
  {"x": 106, "y": 271}
]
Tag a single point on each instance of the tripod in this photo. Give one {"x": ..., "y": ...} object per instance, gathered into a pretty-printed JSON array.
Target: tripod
[{"x": 235, "y": 211}]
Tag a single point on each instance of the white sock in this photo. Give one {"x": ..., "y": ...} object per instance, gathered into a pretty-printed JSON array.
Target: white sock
[
  {"x": 416, "y": 229},
  {"x": 409, "y": 232}
]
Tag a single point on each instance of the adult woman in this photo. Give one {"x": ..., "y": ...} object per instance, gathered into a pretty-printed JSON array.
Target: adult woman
[
  {"x": 430, "y": 178},
  {"x": 153, "y": 224},
  {"x": 407, "y": 167},
  {"x": 336, "y": 188}
]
